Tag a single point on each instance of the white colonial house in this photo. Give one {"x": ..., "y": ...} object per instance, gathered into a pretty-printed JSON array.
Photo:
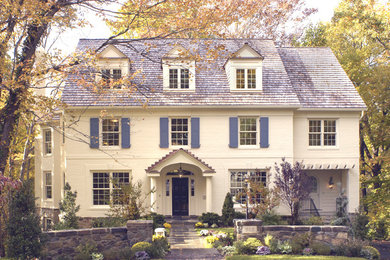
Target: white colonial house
[{"x": 205, "y": 114}]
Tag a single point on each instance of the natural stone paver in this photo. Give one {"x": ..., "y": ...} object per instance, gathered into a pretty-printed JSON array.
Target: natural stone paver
[{"x": 187, "y": 244}]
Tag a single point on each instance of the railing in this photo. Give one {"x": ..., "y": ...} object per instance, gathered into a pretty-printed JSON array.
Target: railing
[{"x": 308, "y": 206}]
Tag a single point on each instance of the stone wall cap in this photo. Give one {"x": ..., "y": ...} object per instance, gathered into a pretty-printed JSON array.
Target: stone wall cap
[{"x": 140, "y": 221}]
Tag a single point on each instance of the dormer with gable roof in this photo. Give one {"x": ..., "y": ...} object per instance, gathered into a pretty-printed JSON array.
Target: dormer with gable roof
[
  {"x": 113, "y": 65},
  {"x": 244, "y": 70},
  {"x": 178, "y": 70}
]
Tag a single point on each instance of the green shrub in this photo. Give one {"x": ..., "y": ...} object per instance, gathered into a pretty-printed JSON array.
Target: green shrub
[
  {"x": 159, "y": 248},
  {"x": 69, "y": 210},
  {"x": 239, "y": 215},
  {"x": 108, "y": 222},
  {"x": 267, "y": 240},
  {"x": 228, "y": 250},
  {"x": 320, "y": 248},
  {"x": 247, "y": 247},
  {"x": 141, "y": 246},
  {"x": 25, "y": 237},
  {"x": 118, "y": 254},
  {"x": 270, "y": 218},
  {"x": 360, "y": 226},
  {"x": 350, "y": 248},
  {"x": 370, "y": 252},
  {"x": 85, "y": 250},
  {"x": 285, "y": 247},
  {"x": 300, "y": 242},
  {"x": 228, "y": 211},
  {"x": 274, "y": 246},
  {"x": 313, "y": 220},
  {"x": 379, "y": 229},
  {"x": 210, "y": 218},
  {"x": 158, "y": 219}
]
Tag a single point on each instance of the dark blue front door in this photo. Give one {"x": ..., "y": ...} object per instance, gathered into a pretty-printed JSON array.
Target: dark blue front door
[{"x": 180, "y": 196}]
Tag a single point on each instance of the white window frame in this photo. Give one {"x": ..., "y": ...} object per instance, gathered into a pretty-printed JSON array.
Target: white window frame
[
  {"x": 111, "y": 187},
  {"x": 111, "y": 84},
  {"x": 46, "y": 185},
  {"x": 112, "y": 132},
  {"x": 179, "y": 79},
  {"x": 168, "y": 64},
  {"x": 322, "y": 133},
  {"x": 246, "y": 78},
  {"x": 257, "y": 132},
  {"x": 241, "y": 184},
  {"x": 188, "y": 132},
  {"x": 47, "y": 143},
  {"x": 231, "y": 71}
]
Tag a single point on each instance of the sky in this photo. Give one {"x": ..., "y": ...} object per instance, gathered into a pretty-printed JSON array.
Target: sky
[{"x": 68, "y": 40}]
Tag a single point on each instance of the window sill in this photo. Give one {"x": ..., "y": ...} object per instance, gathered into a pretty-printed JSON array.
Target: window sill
[
  {"x": 246, "y": 90},
  {"x": 99, "y": 207},
  {"x": 178, "y": 90},
  {"x": 249, "y": 147},
  {"x": 180, "y": 146},
  {"x": 321, "y": 148}
]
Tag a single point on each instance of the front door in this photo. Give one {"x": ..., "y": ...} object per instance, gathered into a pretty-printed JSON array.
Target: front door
[{"x": 180, "y": 196}]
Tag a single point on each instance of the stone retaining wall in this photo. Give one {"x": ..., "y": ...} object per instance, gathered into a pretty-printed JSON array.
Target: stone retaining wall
[
  {"x": 64, "y": 243},
  {"x": 254, "y": 228}
]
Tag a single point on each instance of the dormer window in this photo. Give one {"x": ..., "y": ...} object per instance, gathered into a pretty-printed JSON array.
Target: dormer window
[
  {"x": 246, "y": 78},
  {"x": 110, "y": 77},
  {"x": 178, "y": 70},
  {"x": 179, "y": 78},
  {"x": 244, "y": 70}
]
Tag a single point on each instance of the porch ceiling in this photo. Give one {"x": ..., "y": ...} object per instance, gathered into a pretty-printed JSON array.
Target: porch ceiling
[{"x": 179, "y": 156}]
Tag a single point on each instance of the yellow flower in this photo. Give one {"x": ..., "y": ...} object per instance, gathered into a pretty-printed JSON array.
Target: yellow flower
[{"x": 167, "y": 225}]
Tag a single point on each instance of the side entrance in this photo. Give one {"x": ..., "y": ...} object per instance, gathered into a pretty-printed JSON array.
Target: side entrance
[{"x": 180, "y": 196}]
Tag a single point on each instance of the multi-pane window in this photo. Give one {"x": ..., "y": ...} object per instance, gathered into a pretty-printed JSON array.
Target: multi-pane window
[
  {"x": 47, "y": 141},
  {"x": 167, "y": 188},
  {"x": 118, "y": 180},
  {"x": 246, "y": 78},
  {"x": 110, "y": 132},
  {"x": 239, "y": 179},
  {"x": 179, "y": 78},
  {"x": 48, "y": 185},
  {"x": 110, "y": 76},
  {"x": 322, "y": 132},
  {"x": 192, "y": 187},
  {"x": 248, "y": 131},
  {"x": 103, "y": 187},
  {"x": 179, "y": 131},
  {"x": 240, "y": 78}
]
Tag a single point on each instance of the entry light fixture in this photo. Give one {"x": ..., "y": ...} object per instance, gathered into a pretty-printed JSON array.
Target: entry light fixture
[
  {"x": 331, "y": 183},
  {"x": 180, "y": 172}
]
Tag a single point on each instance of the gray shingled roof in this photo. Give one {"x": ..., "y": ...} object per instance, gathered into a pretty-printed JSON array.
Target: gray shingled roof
[{"x": 307, "y": 77}]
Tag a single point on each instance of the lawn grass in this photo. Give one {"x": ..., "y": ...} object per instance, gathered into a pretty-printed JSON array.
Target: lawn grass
[{"x": 276, "y": 257}]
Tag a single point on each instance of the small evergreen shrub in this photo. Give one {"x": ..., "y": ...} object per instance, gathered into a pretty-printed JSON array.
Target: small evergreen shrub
[
  {"x": 300, "y": 242},
  {"x": 228, "y": 211},
  {"x": 249, "y": 246},
  {"x": 158, "y": 219},
  {"x": 360, "y": 226},
  {"x": 320, "y": 248},
  {"x": 159, "y": 248},
  {"x": 25, "y": 237},
  {"x": 141, "y": 246},
  {"x": 239, "y": 215},
  {"x": 274, "y": 246},
  {"x": 210, "y": 218},
  {"x": 369, "y": 252},
  {"x": 270, "y": 218},
  {"x": 313, "y": 220},
  {"x": 68, "y": 209}
]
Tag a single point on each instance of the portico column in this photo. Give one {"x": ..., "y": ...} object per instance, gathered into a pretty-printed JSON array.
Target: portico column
[
  {"x": 208, "y": 194},
  {"x": 153, "y": 194}
]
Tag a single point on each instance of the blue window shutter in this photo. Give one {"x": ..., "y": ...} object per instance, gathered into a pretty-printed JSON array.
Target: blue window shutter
[
  {"x": 264, "y": 130},
  {"x": 94, "y": 133},
  {"x": 195, "y": 143},
  {"x": 164, "y": 132},
  {"x": 233, "y": 130},
  {"x": 125, "y": 123}
]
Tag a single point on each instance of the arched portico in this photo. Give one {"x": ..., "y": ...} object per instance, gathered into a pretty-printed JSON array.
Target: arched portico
[{"x": 182, "y": 183}]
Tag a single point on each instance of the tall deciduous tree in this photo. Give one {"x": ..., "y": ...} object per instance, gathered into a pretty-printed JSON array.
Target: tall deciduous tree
[
  {"x": 293, "y": 186},
  {"x": 359, "y": 35}
]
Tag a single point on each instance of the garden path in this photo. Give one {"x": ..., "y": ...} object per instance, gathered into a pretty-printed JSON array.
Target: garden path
[{"x": 187, "y": 244}]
